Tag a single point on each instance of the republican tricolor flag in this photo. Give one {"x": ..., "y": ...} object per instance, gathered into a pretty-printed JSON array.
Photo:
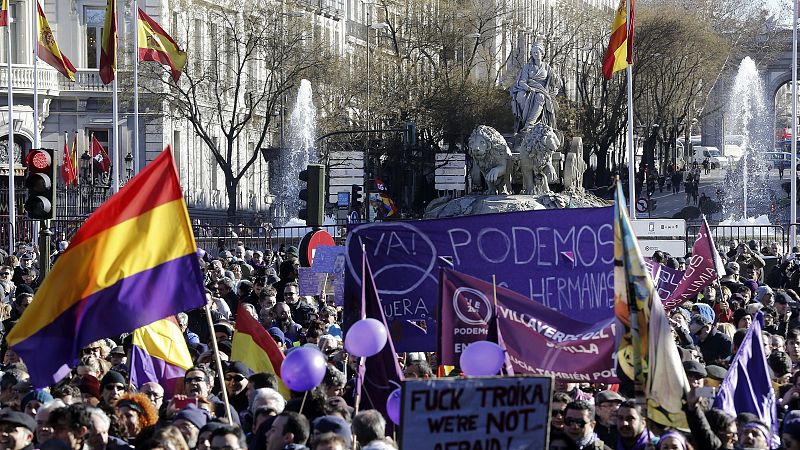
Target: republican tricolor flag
[
  {"x": 157, "y": 45},
  {"x": 620, "y": 48},
  {"x": 159, "y": 354},
  {"x": 133, "y": 262},
  {"x": 253, "y": 346}
]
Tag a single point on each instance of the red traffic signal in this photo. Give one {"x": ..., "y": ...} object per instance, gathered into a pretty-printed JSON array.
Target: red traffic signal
[
  {"x": 40, "y": 182},
  {"x": 39, "y": 161}
]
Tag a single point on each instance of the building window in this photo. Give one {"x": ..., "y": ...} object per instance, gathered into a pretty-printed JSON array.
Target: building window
[{"x": 94, "y": 18}]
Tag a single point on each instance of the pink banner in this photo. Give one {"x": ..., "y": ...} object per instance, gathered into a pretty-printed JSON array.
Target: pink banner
[{"x": 700, "y": 272}]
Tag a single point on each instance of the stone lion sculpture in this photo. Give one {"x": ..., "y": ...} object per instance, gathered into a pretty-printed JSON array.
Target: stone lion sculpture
[
  {"x": 491, "y": 155},
  {"x": 535, "y": 154}
]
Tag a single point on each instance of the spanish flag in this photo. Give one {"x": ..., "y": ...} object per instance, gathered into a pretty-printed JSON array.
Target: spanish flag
[
  {"x": 645, "y": 349},
  {"x": 3, "y": 13},
  {"x": 253, "y": 346},
  {"x": 132, "y": 262},
  {"x": 156, "y": 45},
  {"x": 620, "y": 48},
  {"x": 159, "y": 353},
  {"x": 48, "y": 51},
  {"x": 108, "y": 49}
]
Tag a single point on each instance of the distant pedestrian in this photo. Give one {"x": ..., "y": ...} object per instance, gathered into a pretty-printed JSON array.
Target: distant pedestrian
[
  {"x": 706, "y": 166},
  {"x": 677, "y": 178},
  {"x": 780, "y": 170},
  {"x": 687, "y": 186}
]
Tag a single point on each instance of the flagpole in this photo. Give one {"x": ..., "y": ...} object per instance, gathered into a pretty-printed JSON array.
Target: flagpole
[
  {"x": 629, "y": 143},
  {"x": 115, "y": 112},
  {"x": 135, "y": 152},
  {"x": 12, "y": 206},
  {"x": 218, "y": 362},
  {"x": 35, "y": 41},
  {"x": 793, "y": 207}
]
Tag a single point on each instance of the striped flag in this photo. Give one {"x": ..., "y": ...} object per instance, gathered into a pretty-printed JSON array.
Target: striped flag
[
  {"x": 253, "y": 346},
  {"x": 646, "y": 352},
  {"x": 157, "y": 45},
  {"x": 47, "y": 49},
  {"x": 68, "y": 173},
  {"x": 133, "y": 262},
  {"x": 108, "y": 42},
  {"x": 620, "y": 47},
  {"x": 3, "y": 13},
  {"x": 160, "y": 354}
]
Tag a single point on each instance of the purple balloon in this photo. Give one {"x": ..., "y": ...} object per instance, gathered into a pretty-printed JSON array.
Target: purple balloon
[
  {"x": 482, "y": 359},
  {"x": 365, "y": 338},
  {"x": 393, "y": 406},
  {"x": 303, "y": 369}
]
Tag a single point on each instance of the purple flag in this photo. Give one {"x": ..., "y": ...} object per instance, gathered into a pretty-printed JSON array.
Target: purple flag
[
  {"x": 381, "y": 374},
  {"x": 748, "y": 387},
  {"x": 537, "y": 339},
  {"x": 665, "y": 278},
  {"x": 701, "y": 271}
]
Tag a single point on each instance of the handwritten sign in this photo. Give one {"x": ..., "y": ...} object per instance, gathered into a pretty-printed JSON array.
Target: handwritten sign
[
  {"x": 325, "y": 258},
  {"x": 310, "y": 282},
  {"x": 510, "y": 413}
]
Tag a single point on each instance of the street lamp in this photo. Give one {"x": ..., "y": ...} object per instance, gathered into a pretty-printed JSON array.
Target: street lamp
[
  {"x": 128, "y": 166},
  {"x": 85, "y": 161}
]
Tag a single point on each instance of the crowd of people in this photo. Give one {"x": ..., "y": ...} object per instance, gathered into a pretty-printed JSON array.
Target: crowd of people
[{"x": 97, "y": 407}]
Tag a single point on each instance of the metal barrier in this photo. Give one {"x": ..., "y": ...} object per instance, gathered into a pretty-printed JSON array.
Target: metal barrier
[
  {"x": 723, "y": 234},
  {"x": 291, "y": 236},
  {"x": 214, "y": 238}
]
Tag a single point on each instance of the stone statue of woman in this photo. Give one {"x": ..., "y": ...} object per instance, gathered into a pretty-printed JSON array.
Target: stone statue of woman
[{"x": 531, "y": 95}]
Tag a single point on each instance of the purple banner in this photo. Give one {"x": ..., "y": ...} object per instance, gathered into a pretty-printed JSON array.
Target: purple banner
[
  {"x": 700, "y": 272},
  {"x": 538, "y": 340},
  {"x": 562, "y": 259},
  {"x": 666, "y": 279}
]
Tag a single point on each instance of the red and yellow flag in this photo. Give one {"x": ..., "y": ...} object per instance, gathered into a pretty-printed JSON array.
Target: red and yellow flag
[
  {"x": 48, "y": 49},
  {"x": 3, "y": 13},
  {"x": 68, "y": 173},
  {"x": 108, "y": 50},
  {"x": 253, "y": 346},
  {"x": 620, "y": 48},
  {"x": 156, "y": 45}
]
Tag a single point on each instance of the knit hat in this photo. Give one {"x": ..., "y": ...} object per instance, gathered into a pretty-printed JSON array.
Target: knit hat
[
  {"x": 38, "y": 395},
  {"x": 791, "y": 424},
  {"x": 237, "y": 367},
  {"x": 89, "y": 385},
  {"x": 761, "y": 291},
  {"x": 737, "y": 316},
  {"x": 705, "y": 313},
  {"x": 196, "y": 416},
  {"x": 277, "y": 334},
  {"x": 112, "y": 377},
  {"x": 333, "y": 424}
]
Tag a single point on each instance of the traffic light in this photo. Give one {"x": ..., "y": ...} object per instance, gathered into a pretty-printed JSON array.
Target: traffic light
[
  {"x": 40, "y": 181},
  {"x": 313, "y": 195},
  {"x": 355, "y": 197},
  {"x": 410, "y": 134}
]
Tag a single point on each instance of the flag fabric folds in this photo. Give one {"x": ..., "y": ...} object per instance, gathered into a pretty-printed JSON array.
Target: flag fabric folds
[
  {"x": 159, "y": 353},
  {"x": 702, "y": 270},
  {"x": 645, "y": 349},
  {"x": 620, "y": 47},
  {"x": 99, "y": 155},
  {"x": 381, "y": 373},
  {"x": 3, "y": 13},
  {"x": 68, "y": 173},
  {"x": 157, "y": 45},
  {"x": 253, "y": 346},
  {"x": 108, "y": 49},
  {"x": 748, "y": 386},
  {"x": 132, "y": 262},
  {"x": 48, "y": 51}
]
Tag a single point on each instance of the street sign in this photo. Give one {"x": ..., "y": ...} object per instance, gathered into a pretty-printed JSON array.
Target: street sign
[
  {"x": 309, "y": 244},
  {"x": 675, "y": 247},
  {"x": 354, "y": 217},
  {"x": 641, "y": 205},
  {"x": 343, "y": 199},
  {"x": 659, "y": 227}
]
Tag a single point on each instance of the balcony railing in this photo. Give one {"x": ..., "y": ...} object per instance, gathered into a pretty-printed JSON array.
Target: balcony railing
[{"x": 50, "y": 81}]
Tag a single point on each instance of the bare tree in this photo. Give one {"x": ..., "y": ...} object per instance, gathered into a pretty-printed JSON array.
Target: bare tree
[{"x": 256, "y": 53}]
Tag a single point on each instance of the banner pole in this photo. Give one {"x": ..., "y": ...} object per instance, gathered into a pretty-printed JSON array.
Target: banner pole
[
  {"x": 218, "y": 363},
  {"x": 793, "y": 206},
  {"x": 12, "y": 210},
  {"x": 629, "y": 135}
]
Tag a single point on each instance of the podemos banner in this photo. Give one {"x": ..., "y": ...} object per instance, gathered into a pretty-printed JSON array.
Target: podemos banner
[
  {"x": 562, "y": 259},
  {"x": 538, "y": 340}
]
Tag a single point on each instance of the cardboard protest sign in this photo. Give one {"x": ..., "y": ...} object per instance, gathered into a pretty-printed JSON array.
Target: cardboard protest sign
[
  {"x": 537, "y": 339},
  {"x": 325, "y": 258},
  {"x": 510, "y": 413},
  {"x": 310, "y": 282},
  {"x": 562, "y": 259}
]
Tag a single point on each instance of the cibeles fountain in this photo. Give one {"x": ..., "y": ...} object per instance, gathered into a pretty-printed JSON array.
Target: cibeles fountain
[{"x": 529, "y": 157}]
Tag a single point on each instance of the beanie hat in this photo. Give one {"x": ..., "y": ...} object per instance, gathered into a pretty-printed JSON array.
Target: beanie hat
[
  {"x": 112, "y": 377},
  {"x": 333, "y": 424},
  {"x": 791, "y": 424},
  {"x": 89, "y": 385},
  {"x": 38, "y": 395},
  {"x": 705, "y": 312},
  {"x": 196, "y": 416},
  {"x": 737, "y": 316},
  {"x": 238, "y": 367}
]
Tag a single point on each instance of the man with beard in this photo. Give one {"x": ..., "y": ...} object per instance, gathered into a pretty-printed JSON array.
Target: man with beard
[
  {"x": 284, "y": 322},
  {"x": 197, "y": 384},
  {"x": 633, "y": 434}
]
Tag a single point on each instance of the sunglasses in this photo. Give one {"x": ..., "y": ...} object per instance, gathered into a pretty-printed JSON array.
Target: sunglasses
[
  {"x": 579, "y": 422},
  {"x": 5, "y": 274},
  {"x": 290, "y": 293},
  {"x": 194, "y": 380},
  {"x": 557, "y": 412},
  {"x": 114, "y": 387},
  {"x": 91, "y": 349},
  {"x": 237, "y": 378}
]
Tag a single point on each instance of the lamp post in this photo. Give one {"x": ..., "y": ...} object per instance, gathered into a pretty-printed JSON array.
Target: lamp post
[
  {"x": 376, "y": 27},
  {"x": 128, "y": 166}
]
